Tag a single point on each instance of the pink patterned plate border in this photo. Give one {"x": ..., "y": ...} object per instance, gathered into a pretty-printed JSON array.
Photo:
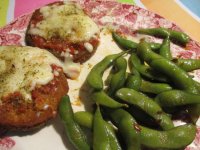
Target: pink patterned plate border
[{"x": 123, "y": 17}]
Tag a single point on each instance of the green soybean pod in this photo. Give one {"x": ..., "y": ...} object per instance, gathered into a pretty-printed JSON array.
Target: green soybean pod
[
  {"x": 101, "y": 98},
  {"x": 176, "y": 36},
  {"x": 142, "y": 117},
  {"x": 133, "y": 82},
  {"x": 179, "y": 37},
  {"x": 187, "y": 64},
  {"x": 109, "y": 77},
  {"x": 94, "y": 78},
  {"x": 165, "y": 49},
  {"x": 100, "y": 134},
  {"x": 72, "y": 129},
  {"x": 155, "y": 46},
  {"x": 128, "y": 128},
  {"x": 131, "y": 45},
  {"x": 180, "y": 78},
  {"x": 114, "y": 143},
  {"x": 85, "y": 119},
  {"x": 155, "y": 88},
  {"x": 119, "y": 77},
  {"x": 177, "y": 75},
  {"x": 161, "y": 32},
  {"x": 194, "y": 111},
  {"x": 176, "y": 138},
  {"x": 124, "y": 43},
  {"x": 147, "y": 105},
  {"x": 145, "y": 71},
  {"x": 173, "y": 98}
]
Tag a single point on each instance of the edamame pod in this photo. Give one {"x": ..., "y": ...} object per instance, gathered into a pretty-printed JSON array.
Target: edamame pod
[
  {"x": 176, "y": 138},
  {"x": 119, "y": 77},
  {"x": 146, "y": 104},
  {"x": 101, "y": 98},
  {"x": 187, "y": 64},
  {"x": 128, "y": 128},
  {"x": 178, "y": 76},
  {"x": 100, "y": 134},
  {"x": 161, "y": 32},
  {"x": 165, "y": 49},
  {"x": 130, "y": 45},
  {"x": 145, "y": 71},
  {"x": 133, "y": 82},
  {"x": 124, "y": 43},
  {"x": 84, "y": 118},
  {"x": 173, "y": 98},
  {"x": 114, "y": 143},
  {"x": 94, "y": 78},
  {"x": 155, "y": 88},
  {"x": 176, "y": 36},
  {"x": 142, "y": 117},
  {"x": 72, "y": 129},
  {"x": 179, "y": 37}
]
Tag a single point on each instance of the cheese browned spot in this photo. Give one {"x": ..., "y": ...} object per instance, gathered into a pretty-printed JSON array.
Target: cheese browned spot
[{"x": 22, "y": 68}]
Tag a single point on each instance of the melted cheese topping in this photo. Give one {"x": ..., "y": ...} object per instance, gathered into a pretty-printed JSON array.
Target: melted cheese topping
[
  {"x": 22, "y": 68},
  {"x": 71, "y": 69},
  {"x": 66, "y": 21}
]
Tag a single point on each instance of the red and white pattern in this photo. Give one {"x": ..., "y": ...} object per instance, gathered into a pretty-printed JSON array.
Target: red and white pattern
[
  {"x": 6, "y": 143},
  {"x": 14, "y": 33},
  {"x": 122, "y": 17}
]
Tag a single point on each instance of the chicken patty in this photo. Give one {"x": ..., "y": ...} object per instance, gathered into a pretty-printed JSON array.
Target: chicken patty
[
  {"x": 64, "y": 29},
  {"x": 32, "y": 83}
]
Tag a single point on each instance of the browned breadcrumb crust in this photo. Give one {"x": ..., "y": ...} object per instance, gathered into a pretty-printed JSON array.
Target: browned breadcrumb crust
[{"x": 18, "y": 114}]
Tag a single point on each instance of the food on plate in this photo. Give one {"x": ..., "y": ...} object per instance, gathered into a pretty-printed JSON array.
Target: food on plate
[
  {"x": 104, "y": 136},
  {"x": 151, "y": 87},
  {"x": 136, "y": 65},
  {"x": 176, "y": 36},
  {"x": 188, "y": 64},
  {"x": 94, "y": 79},
  {"x": 178, "y": 76},
  {"x": 138, "y": 108},
  {"x": 165, "y": 49},
  {"x": 103, "y": 99},
  {"x": 32, "y": 82},
  {"x": 65, "y": 30},
  {"x": 175, "y": 138},
  {"x": 119, "y": 75},
  {"x": 128, "y": 44},
  {"x": 146, "y": 104},
  {"x": 176, "y": 97},
  {"x": 72, "y": 129}
]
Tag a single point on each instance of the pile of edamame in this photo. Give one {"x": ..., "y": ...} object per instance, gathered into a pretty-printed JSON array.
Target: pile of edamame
[{"x": 136, "y": 110}]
